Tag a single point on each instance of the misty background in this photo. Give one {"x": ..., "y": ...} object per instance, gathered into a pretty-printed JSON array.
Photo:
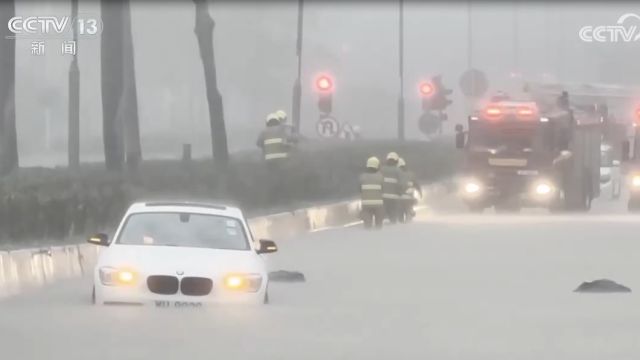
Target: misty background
[{"x": 355, "y": 42}]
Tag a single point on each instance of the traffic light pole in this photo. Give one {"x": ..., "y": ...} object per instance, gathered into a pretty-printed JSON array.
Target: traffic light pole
[
  {"x": 297, "y": 86},
  {"x": 401, "y": 70}
]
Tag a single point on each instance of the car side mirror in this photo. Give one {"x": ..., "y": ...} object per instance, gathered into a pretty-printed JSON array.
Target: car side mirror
[
  {"x": 267, "y": 247},
  {"x": 99, "y": 239}
]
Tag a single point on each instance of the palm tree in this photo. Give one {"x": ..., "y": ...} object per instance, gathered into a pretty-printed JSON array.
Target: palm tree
[
  {"x": 8, "y": 136},
  {"x": 129, "y": 97},
  {"x": 204, "y": 32},
  {"x": 111, "y": 69}
]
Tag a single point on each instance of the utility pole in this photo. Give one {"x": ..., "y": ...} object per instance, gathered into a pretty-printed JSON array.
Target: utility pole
[
  {"x": 401, "y": 70},
  {"x": 516, "y": 39},
  {"x": 297, "y": 86},
  {"x": 470, "y": 54}
]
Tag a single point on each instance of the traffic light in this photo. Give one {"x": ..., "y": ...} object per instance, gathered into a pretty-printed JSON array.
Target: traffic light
[
  {"x": 440, "y": 101},
  {"x": 426, "y": 92},
  {"x": 324, "y": 86}
]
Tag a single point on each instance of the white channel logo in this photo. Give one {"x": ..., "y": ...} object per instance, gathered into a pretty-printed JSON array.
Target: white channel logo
[{"x": 621, "y": 32}]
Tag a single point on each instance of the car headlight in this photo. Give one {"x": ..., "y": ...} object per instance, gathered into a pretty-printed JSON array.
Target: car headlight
[
  {"x": 117, "y": 277},
  {"x": 635, "y": 181},
  {"x": 543, "y": 189},
  {"x": 243, "y": 282}
]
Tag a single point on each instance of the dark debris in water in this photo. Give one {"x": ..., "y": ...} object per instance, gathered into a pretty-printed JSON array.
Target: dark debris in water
[
  {"x": 602, "y": 286},
  {"x": 286, "y": 276}
]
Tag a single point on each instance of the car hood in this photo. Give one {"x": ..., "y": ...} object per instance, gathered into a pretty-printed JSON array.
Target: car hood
[{"x": 170, "y": 260}]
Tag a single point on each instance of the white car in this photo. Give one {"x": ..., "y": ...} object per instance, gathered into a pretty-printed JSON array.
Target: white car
[{"x": 169, "y": 254}]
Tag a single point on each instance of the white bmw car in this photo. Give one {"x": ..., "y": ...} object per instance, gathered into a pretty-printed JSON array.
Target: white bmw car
[{"x": 168, "y": 254}]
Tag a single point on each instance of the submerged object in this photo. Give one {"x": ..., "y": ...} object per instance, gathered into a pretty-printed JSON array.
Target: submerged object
[{"x": 602, "y": 286}]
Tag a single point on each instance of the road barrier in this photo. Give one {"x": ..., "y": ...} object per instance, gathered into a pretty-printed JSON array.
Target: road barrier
[{"x": 25, "y": 269}]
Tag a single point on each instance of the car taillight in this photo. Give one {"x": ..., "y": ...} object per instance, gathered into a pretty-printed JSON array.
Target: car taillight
[
  {"x": 525, "y": 111},
  {"x": 493, "y": 112}
]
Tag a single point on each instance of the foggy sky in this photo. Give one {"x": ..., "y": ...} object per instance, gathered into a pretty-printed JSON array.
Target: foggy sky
[{"x": 357, "y": 43}]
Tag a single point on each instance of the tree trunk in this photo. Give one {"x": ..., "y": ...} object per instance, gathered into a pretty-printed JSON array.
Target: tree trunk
[
  {"x": 8, "y": 135},
  {"x": 112, "y": 68},
  {"x": 204, "y": 32},
  {"x": 73, "y": 140},
  {"x": 129, "y": 96}
]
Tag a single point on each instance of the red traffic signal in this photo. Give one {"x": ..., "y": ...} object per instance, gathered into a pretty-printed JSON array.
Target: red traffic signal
[
  {"x": 426, "y": 89},
  {"x": 324, "y": 83}
]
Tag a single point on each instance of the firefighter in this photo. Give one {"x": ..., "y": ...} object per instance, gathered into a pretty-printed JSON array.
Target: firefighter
[
  {"x": 276, "y": 146},
  {"x": 390, "y": 187},
  {"x": 292, "y": 138},
  {"x": 372, "y": 211},
  {"x": 408, "y": 188},
  {"x": 563, "y": 101},
  {"x": 272, "y": 140}
]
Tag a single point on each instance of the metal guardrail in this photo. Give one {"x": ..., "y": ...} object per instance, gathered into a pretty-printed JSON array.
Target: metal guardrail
[{"x": 29, "y": 268}]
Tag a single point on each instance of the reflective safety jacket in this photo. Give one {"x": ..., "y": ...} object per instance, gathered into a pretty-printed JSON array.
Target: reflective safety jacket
[
  {"x": 407, "y": 184},
  {"x": 371, "y": 189},
  {"x": 390, "y": 185},
  {"x": 273, "y": 141}
]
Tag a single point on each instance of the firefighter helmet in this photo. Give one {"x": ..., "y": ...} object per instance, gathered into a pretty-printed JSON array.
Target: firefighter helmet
[
  {"x": 373, "y": 163},
  {"x": 282, "y": 116},
  {"x": 272, "y": 117},
  {"x": 393, "y": 156}
]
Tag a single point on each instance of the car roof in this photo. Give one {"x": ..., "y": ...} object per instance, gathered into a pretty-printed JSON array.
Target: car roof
[{"x": 185, "y": 206}]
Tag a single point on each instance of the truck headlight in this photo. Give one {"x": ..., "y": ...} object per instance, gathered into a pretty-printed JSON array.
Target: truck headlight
[
  {"x": 243, "y": 282},
  {"x": 472, "y": 188},
  {"x": 113, "y": 276}
]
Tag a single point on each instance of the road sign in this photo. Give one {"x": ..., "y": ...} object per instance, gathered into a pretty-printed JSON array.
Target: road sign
[
  {"x": 347, "y": 132},
  {"x": 429, "y": 123},
  {"x": 474, "y": 83},
  {"x": 327, "y": 127}
]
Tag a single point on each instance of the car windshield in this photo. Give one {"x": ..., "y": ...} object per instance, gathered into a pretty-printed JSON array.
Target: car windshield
[{"x": 184, "y": 230}]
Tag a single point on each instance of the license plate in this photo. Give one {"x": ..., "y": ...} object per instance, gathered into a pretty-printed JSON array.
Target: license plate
[
  {"x": 507, "y": 162},
  {"x": 177, "y": 304}
]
